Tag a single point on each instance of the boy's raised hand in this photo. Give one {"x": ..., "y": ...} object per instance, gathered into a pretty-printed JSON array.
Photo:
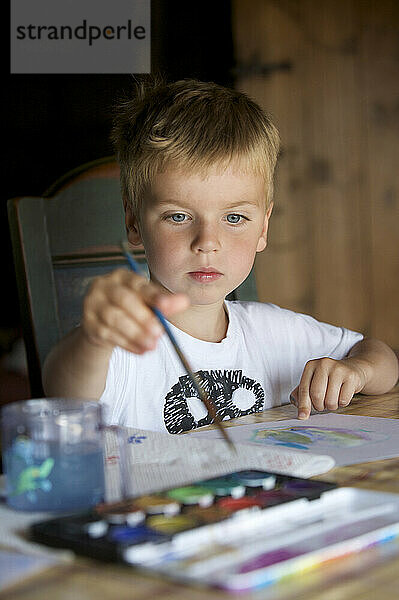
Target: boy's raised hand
[
  {"x": 328, "y": 384},
  {"x": 117, "y": 311}
]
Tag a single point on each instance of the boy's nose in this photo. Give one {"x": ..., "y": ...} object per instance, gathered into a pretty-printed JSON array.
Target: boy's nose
[{"x": 206, "y": 239}]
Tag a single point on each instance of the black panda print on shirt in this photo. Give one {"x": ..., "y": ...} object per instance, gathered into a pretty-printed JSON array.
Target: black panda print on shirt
[{"x": 233, "y": 394}]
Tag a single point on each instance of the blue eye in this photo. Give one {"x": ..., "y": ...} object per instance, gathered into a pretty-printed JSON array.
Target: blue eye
[
  {"x": 234, "y": 219},
  {"x": 178, "y": 217}
]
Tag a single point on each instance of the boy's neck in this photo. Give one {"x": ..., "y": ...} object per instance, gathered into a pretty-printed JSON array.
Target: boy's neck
[{"x": 204, "y": 322}]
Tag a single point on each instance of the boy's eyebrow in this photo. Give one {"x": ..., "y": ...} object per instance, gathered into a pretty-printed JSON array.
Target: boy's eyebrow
[
  {"x": 227, "y": 206},
  {"x": 243, "y": 203}
]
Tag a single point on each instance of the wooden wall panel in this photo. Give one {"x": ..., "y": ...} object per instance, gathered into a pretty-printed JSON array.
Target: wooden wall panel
[
  {"x": 259, "y": 28},
  {"x": 333, "y": 249},
  {"x": 379, "y": 50}
]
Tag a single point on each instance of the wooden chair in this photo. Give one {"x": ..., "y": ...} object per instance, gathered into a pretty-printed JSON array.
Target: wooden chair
[{"x": 60, "y": 243}]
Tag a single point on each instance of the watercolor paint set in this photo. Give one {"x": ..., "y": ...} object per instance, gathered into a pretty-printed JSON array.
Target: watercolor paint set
[{"x": 239, "y": 532}]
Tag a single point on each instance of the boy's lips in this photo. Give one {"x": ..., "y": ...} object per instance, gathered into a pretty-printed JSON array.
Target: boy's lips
[
  {"x": 205, "y": 274},
  {"x": 205, "y": 270}
]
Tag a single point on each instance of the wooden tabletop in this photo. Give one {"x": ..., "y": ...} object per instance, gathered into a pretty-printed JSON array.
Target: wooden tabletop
[{"x": 362, "y": 577}]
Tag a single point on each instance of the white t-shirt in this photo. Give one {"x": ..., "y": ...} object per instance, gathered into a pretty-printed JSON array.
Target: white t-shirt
[{"x": 256, "y": 366}]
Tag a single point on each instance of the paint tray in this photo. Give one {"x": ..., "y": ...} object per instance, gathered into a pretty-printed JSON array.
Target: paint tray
[{"x": 238, "y": 532}]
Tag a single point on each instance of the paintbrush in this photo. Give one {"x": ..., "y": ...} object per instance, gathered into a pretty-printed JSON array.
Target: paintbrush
[{"x": 194, "y": 378}]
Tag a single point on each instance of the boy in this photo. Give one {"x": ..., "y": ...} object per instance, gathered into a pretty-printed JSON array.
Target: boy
[{"x": 197, "y": 164}]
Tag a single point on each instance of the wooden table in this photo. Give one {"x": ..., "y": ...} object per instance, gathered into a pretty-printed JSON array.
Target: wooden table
[{"x": 358, "y": 578}]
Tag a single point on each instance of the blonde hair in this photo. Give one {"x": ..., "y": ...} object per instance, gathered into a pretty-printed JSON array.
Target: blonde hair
[{"x": 192, "y": 125}]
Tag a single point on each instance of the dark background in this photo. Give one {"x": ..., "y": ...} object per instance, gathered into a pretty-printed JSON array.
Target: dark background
[{"x": 56, "y": 122}]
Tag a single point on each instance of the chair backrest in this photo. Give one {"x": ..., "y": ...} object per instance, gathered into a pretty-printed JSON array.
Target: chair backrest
[{"x": 61, "y": 242}]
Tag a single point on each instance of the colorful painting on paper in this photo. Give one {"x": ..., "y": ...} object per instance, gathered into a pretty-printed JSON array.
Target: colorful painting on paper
[
  {"x": 302, "y": 437},
  {"x": 348, "y": 439}
]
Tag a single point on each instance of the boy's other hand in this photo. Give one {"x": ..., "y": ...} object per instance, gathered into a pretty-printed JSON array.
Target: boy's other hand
[
  {"x": 328, "y": 384},
  {"x": 117, "y": 311}
]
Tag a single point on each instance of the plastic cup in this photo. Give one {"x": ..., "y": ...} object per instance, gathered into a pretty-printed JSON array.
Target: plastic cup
[{"x": 53, "y": 454}]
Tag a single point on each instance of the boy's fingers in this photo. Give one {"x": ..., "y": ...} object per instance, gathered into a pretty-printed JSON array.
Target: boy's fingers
[
  {"x": 346, "y": 393},
  {"x": 333, "y": 391},
  {"x": 113, "y": 327},
  {"x": 124, "y": 311},
  {"x": 142, "y": 334},
  {"x": 140, "y": 312},
  {"x": 318, "y": 388},
  {"x": 146, "y": 295},
  {"x": 304, "y": 401},
  {"x": 103, "y": 336},
  {"x": 171, "y": 304},
  {"x": 154, "y": 296},
  {"x": 304, "y": 406},
  {"x": 142, "y": 286}
]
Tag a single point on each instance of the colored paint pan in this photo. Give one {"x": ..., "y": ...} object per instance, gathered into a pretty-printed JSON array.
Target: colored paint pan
[
  {"x": 209, "y": 515},
  {"x": 108, "y": 508},
  {"x": 134, "y": 535},
  {"x": 235, "y": 504},
  {"x": 224, "y": 486},
  {"x": 131, "y": 517},
  {"x": 172, "y": 525},
  {"x": 124, "y": 512},
  {"x": 303, "y": 487},
  {"x": 273, "y": 497},
  {"x": 254, "y": 479},
  {"x": 158, "y": 505},
  {"x": 192, "y": 494}
]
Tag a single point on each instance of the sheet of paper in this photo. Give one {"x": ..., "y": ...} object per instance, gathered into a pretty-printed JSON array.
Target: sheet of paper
[
  {"x": 156, "y": 461},
  {"x": 349, "y": 439}
]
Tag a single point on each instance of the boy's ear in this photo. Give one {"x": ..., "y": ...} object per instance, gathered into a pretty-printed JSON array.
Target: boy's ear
[
  {"x": 262, "y": 242},
  {"x": 132, "y": 227}
]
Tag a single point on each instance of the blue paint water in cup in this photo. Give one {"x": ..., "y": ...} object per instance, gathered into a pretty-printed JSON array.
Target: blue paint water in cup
[{"x": 53, "y": 454}]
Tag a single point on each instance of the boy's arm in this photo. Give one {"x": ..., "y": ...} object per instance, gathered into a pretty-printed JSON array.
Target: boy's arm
[
  {"x": 371, "y": 367},
  {"x": 379, "y": 363},
  {"x": 76, "y": 368}
]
